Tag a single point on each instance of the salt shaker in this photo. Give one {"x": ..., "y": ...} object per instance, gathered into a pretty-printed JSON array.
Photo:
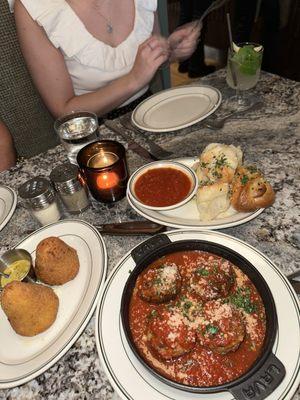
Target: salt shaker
[
  {"x": 72, "y": 190},
  {"x": 39, "y": 198}
]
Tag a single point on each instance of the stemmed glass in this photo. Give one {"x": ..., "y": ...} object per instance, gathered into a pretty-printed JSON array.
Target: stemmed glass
[{"x": 243, "y": 71}]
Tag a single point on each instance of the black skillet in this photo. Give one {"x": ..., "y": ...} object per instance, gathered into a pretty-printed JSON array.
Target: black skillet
[{"x": 267, "y": 372}]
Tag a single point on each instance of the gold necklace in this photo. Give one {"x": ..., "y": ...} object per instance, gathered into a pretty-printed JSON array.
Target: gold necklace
[{"x": 109, "y": 26}]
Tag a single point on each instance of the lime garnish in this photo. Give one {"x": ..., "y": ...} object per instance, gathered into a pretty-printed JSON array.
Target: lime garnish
[
  {"x": 248, "y": 60},
  {"x": 258, "y": 48},
  {"x": 236, "y": 48}
]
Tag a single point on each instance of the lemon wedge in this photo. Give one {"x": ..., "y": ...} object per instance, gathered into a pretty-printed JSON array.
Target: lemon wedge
[
  {"x": 16, "y": 271},
  {"x": 257, "y": 49},
  {"x": 235, "y": 47}
]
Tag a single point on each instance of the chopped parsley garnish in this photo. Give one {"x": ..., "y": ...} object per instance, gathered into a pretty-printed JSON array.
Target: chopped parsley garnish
[
  {"x": 244, "y": 179},
  {"x": 157, "y": 281},
  {"x": 216, "y": 268},
  {"x": 212, "y": 330},
  {"x": 202, "y": 272},
  {"x": 221, "y": 161},
  {"x": 189, "y": 309},
  {"x": 216, "y": 174},
  {"x": 185, "y": 308},
  {"x": 241, "y": 299},
  {"x": 187, "y": 305},
  {"x": 152, "y": 314},
  {"x": 203, "y": 164},
  {"x": 252, "y": 169}
]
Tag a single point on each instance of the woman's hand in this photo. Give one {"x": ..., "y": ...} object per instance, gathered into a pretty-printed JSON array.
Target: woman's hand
[
  {"x": 151, "y": 54},
  {"x": 183, "y": 41}
]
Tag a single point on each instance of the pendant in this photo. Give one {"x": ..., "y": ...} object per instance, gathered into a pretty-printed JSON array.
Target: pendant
[{"x": 109, "y": 28}]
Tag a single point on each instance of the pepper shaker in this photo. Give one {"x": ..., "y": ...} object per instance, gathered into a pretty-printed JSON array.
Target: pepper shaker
[
  {"x": 70, "y": 187},
  {"x": 39, "y": 198}
]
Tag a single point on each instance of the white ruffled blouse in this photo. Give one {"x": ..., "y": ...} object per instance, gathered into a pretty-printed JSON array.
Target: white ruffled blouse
[{"x": 91, "y": 63}]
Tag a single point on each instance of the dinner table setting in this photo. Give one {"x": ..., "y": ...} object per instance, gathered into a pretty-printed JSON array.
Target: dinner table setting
[{"x": 92, "y": 201}]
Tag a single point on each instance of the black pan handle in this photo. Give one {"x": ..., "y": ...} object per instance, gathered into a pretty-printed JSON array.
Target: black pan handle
[
  {"x": 145, "y": 248},
  {"x": 263, "y": 382}
]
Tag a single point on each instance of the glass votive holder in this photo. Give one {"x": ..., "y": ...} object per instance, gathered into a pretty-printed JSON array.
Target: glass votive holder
[
  {"x": 76, "y": 130},
  {"x": 104, "y": 168}
]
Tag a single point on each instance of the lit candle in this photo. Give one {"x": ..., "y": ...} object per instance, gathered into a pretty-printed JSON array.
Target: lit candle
[
  {"x": 103, "y": 165},
  {"x": 102, "y": 160},
  {"x": 107, "y": 180}
]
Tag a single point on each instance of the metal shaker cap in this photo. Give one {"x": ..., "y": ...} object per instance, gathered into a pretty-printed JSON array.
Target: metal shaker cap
[
  {"x": 37, "y": 193},
  {"x": 65, "y": 178}
]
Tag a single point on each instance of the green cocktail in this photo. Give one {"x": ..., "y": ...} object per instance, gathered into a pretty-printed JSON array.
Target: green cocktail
[{"x": 243, "y": 67}]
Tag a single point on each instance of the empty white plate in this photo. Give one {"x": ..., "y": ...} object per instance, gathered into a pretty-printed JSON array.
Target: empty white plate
[{"x": 176, "y": 108}]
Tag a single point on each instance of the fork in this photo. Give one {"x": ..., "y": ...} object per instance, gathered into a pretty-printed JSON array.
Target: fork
[
  {"x": 155, "y": 149},
  {"x": 214, "y": 6},
  {"x": 218, "y": 123}
]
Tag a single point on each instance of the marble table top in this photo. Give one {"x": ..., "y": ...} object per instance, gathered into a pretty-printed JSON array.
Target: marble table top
[{"x": 269, "y": 138}]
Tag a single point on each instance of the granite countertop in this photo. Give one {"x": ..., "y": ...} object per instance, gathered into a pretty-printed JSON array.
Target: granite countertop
[{"x": 269, "y": 138}]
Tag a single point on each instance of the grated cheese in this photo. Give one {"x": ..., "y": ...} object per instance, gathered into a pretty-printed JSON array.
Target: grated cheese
[{"x": 251, "y": 325}]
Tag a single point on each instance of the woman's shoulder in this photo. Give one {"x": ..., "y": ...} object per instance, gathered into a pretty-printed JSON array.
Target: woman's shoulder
[
  {"x": 38, "y": 8},
  {"x": 54, "y": 16},
  {"x": 150, "y": 5}
]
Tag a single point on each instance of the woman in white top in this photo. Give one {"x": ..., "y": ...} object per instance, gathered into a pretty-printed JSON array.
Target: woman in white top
[{"x": 95, "y": 55}]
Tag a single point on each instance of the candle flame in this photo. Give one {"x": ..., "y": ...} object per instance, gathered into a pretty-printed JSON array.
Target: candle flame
[{"x": 107, "y": 180}]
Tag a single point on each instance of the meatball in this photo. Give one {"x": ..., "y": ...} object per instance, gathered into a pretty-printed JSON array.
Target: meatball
[
  {"x": 222, "y": 329},
  {"x": 213, "y": 279},
  {"x": 169, "y": 336},
  {"x": 158, "y": 285}
]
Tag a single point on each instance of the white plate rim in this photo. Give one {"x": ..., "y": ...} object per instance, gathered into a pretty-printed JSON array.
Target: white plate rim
[
  {"x": 12, "y": 205},
  {"x": 91, "y": 308},
  {"x": 166, "y": 222},
  {"x": 166, "y": 92},
  {"x": 294, "y": 382}
]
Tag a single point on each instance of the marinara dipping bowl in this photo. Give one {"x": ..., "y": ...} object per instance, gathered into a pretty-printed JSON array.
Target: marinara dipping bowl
[{"x": 162, "y": 185}]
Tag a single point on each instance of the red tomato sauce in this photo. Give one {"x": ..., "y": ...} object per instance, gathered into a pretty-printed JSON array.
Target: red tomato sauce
[
  {"x": 161, "y": 187},
  {"x": 199, "y": 366}
]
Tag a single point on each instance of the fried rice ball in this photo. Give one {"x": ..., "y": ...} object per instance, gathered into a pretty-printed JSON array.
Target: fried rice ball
[
  {"x": 30, "y": 308},
  {"x": 56, "y": 262}
]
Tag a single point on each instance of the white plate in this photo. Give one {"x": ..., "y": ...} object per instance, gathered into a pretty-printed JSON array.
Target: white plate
[
  {"x": 176, "y": 108},
  {"x": 24, "y": 358},
  {"x": 8, "y": 202},
  {"x": 129, "y": 377},
  {"x": 187, "y": 216}
]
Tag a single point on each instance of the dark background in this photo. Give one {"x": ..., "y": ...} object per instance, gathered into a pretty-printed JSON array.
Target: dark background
[{"x": 277, "y": 27}]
